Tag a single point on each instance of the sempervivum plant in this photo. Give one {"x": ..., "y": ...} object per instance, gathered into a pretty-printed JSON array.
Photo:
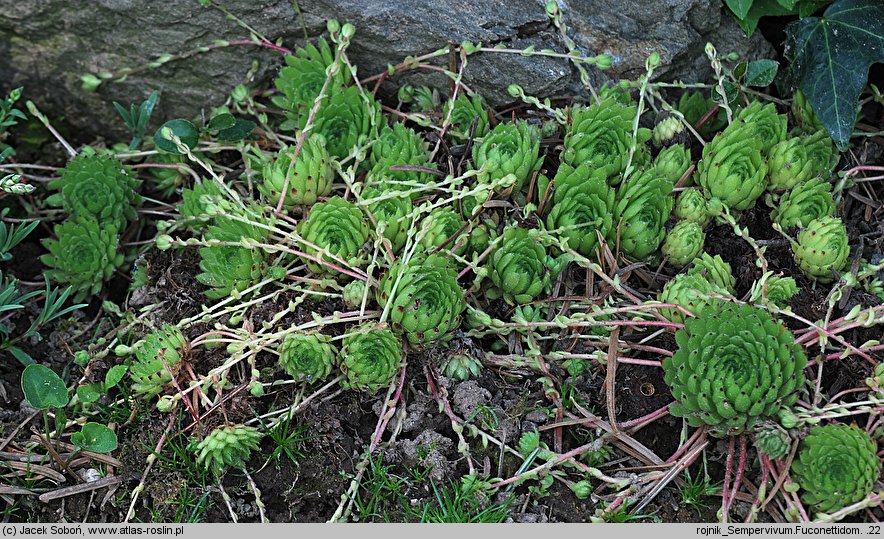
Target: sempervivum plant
[
  {"x": 642, "y": 208},
  {"x": 301, "y": 79},
  {"x": 83, "y": 255},
  {"x": 465, "y": 111},
  {"x": 807, "y": 119},
  {"x": 836, "y": 466},
  {"x": 227, "y": 447},
  {"x": 370, "y": 357},
  {"x": 423, "y": 298},
  {"x": 799, "y": 159},
  {"x": 196, "y": 202},
  {"x": 735, "y": 366},
  {"x": 716, "y": 270},
  {"x": 582, "y": 207},
  {"x": 691, "y": 206},
  {"x": 437, "y": 230},
  {"x": 97, "y": 186},
  {"x": 309, "y": 178},
  {"x": 335, "y": 227},
  {"x": 666, "y": 129},
  {"x": 461, "y": 367},
  {"x": 157, "y": 357},
  {"x": 775, "y": 290},
  {"x": 770, "y": 127},
  {"x": 806, "y": 201},
  {"x": 346, "y": 120},
  {"x": 393, "y": 211},
  {"x": 822, "y": 247},
  {"x": 509, "y": 149},
  {"x": 601, "y": 135},
  {"x": 672, "y": 162},
  {"x": 307, "y": 357},
  {"x": 772, "y": 440},
  {"x": 520, "y": 267},
  {"x": 683, "y": 243},
  {"x": 230, "y": 268},
  {"x": 732, "y": 168},
  {"x": 396, "y": 146}
]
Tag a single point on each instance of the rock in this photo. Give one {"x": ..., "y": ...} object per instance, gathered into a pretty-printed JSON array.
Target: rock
[{"x": 47, "y": 45}]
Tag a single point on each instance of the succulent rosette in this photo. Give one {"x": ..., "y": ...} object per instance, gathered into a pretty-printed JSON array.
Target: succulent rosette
[
  {"x": 370, "y": 357},
  {"x": 353, "y": 293},
  {"x": 683, "y": 243},
  {"x": 83, "y": 255},
  {"x": 335, "y": 227},
  {"x": 735, "y": 366},
  {"x": 672, "y": 162},
  {"x": 836, "y": 466},
  {"x": 772, "y": 440},
  {"x": 309, "y": 178},
  {"x": 520, "y": 267},
  {"x": 461, "y": 367},
  {"x": 97, "y": 186},
  {"x": 394, "y": 212},
  {"x": 157, "y": 357},
  {"x": 809, "y": 200},
  {"x": 397, "y": 146},
  {"x": 230, "y": 268},
  {"x": 227, "y": 447},
  {"x": 196, "y": 202},
  {"x": 822, "y": 247},
  {"x": 439, "y": 226},
  {"x": 666, "y": 129},
  {"x": 642, "y": 207},
  {"x": 308, "y": 357},
  {"x": 691, "y": 291},
  {"x": 301, "y": 79},
  {"x": 770, "y": 127},
  {"x": 776, "y": 290},
  {"x": 600, "y": 136},
  {"x": 732, "y": 168},
  {"x": 691, "y": 206},
  {"x": 346, "y": 120},
  {"x": 716, "y": 270},
  {"x": 424, "y": 299},
  {"x": 582, "y": 208},
  {"x": 804, "y": 114},
  {"x": 509, "y": 149},
  {"x": 799, "y": 159},
  {"x": 464, "y": 110}
]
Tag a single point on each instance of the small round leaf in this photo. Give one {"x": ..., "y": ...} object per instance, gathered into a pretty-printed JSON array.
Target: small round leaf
[
  {"x": 95, "y": 437},
  {"x": 183, "y": 129},
  {"x": 43, "y": 388}
]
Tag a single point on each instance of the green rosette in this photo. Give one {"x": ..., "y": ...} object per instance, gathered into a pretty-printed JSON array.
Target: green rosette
[
  {"x": 519, "y": 267},
  {"x": 732, "y": 168},
  {"x": 836, "y": 466},
  {"x": 227, "y": 447},
  {"x": 641, "y": 210},
  {"x": 335, "y": 227},
  {"x": 509, "y": 149},
  {"x": 683, "y": 243},
  {"x": 582, "y": 207},
  {"x": 310, "y": 177},
  {"x": 84, "y": 254},
  {"x": 809, "y": 200},
  {"x": 735, "y": 366},
  {"x": 423, "y": 298},
  {"x": 157, "y": 356},
  {"x": 307, "y": 357},
  {"x": 370, "y": 357},
  {"x": 822, "y": 247}
]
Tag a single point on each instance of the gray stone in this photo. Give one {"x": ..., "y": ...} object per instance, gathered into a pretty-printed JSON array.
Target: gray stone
[{"x": 46, "y": 45}]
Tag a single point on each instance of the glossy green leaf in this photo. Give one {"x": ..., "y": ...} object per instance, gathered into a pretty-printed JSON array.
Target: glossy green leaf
[
  {"x": 829, "y": 59},
  {"x": 240, "y": 130},
  {"x": 89, "y": 393},
  {"x": 114, "y": 375},
  {"x": 761, "y": 73},
  {"x": 182, "y": 129},
  {"x": 95, "y": 437},
  {"x": 43, "y": 388},
  {"x": 739, "y": 7},
  {"x": 224, "y": 120}
]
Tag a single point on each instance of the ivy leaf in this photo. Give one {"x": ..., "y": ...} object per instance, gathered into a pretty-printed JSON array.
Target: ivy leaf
[
  {"x": 739, "y": 7},
  {"x": 830, "y": 57},
  {"x": 761, "y": 73},
  {"x": 761, "y": 8}
]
